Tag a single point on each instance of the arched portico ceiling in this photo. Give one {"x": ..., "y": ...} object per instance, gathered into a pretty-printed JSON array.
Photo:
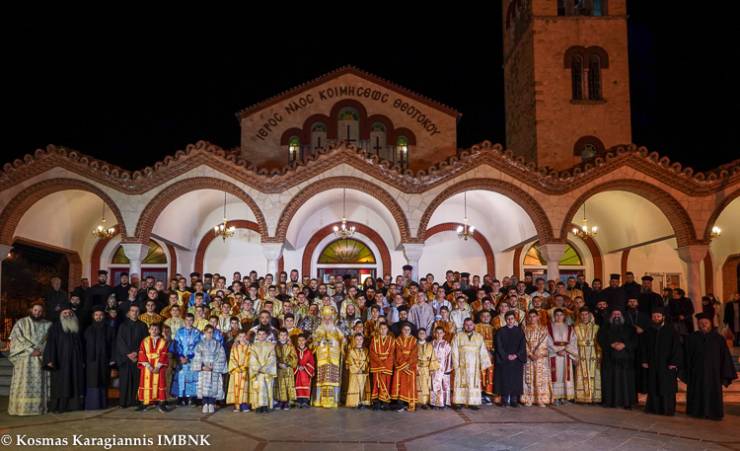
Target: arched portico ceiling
[
  {"x": 497, "y": 217},
  {"x": 186, "y": 218},
  {"x": 203, "y": 153},
  {"x": 165, "y": 198},
  {"x": 624, "y": 219},
  {"x": 72, "y": 196},
  {"x": 728, "y": 242},
  {"x": 325, "y": 208}
]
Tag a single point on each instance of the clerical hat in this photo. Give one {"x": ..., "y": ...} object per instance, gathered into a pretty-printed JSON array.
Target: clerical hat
[
  {"x": 650, "y": 278},
  {"x": 703, "y": 315},
  {"x": 98, "y": 308},
  {"x": 65, "y": 306},
  {"x": 658, "y": 309},
  {"x": 464, "y": 274},
  {"x": 614, "y": 276},
  {"x": 102, "y": 272},
  {"x": 407, "y": 267}
]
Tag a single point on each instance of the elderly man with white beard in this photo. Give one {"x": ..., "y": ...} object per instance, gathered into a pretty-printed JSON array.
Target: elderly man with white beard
[{"x": 63, "y": 359}]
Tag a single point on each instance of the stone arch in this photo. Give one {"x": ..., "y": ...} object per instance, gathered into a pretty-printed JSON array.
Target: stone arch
[
  {"x": 372, "y": 235},
  {"x": 342, "y": 182},
  {"x": 677, "y": 216},
  {"x": 718, "y": 211},
  {"x": 100, "y": 244},
  {"x": 528, "y": 203},
  {"x": 477, "y": 236},
  {"x": 19, "y": 205},
  {"x": 596, "y": 257},
  {"x": 155, "y": 206}
]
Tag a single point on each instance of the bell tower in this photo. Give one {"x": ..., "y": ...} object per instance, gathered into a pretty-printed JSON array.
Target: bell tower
[{"x": 566, "y": 79}]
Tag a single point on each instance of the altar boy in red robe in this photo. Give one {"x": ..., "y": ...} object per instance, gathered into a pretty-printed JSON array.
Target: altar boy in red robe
[
  {"x": 304, "y": 372},
  {"x": 153, "y": 370}
]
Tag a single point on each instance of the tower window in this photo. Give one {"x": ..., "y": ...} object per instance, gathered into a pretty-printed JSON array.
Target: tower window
[
  {"x": 348, "y": 126},
  {"x": 587, "y": 147},
  {"x": 294, "y": 149},
  {"x": 402, "y": 151},
  {"x": 594, "y": 78},
  {"x": 576, "y": 76},
  {"x": 318, "y": 136}
]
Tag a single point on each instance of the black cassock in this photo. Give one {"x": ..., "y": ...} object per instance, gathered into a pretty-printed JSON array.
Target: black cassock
[
  {"x": 636, "y": 318},
  {"x": 508, "y": 375},
  {"x": 648, "y": 300},
  {"x": 64, "y": 351},
  {"x": 618, "y": 367},
  {"x": 708, "y": 367},
  {"x": 99, "y": 338},
  {"x": 660, "y": 348},
  {"x": 130, "y": 334}
]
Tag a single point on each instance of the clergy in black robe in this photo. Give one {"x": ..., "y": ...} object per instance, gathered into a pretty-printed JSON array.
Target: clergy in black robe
[
  {"x": 99, "y": 337},
  {"x": 64, "y": 360},
  {"x": 511, "y": 355},
  {"x": 731, "y": 318},
  {"x": 631, "y": 288},
  {"x": 640, "y": 322},
  {"x": 680, "y": 312},
  {"x": 614, "y": 295},
  {"x": 647, "y": 299},
  {"x": 660, "y": 354},
  {"x": 708, "y": 367},
  {"x": 594, "y": 295},
  {"x": 618, "y": 343},
  {"x": 121, "y": 290},
  {"x": 131, "y": 332},
  {"x": 98, "y": 293},
  {"x": 54, "y": 298}
]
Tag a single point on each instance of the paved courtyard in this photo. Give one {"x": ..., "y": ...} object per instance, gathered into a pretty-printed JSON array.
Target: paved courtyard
[{"x": 567, "y": 427}]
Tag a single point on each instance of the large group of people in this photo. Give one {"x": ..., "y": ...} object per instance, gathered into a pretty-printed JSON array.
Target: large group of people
[{"x": 259, "y": 344}]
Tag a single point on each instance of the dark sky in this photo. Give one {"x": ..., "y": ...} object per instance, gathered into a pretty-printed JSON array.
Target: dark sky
[{"x": 130, "y": 97}]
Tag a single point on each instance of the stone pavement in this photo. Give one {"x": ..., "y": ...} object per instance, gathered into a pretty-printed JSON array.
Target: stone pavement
[{"x": 533, "y": 428}]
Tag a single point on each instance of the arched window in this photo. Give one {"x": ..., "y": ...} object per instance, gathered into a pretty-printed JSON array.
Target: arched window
[
  {"x": 594, "y": 77},
  {"x": 348, "y": 125},
  {"x": 347, "y": 256},
  {"x": 153, "y": 264},
  {"x": 402, "y": 151},
  {"x": 378, "y": 137},
  {"x": 571, "y": 263},
  {"x": 294, "y": 149},
  {"x": 318, "y": 136},
  {"x": 587, "y": 147},
  {"x": 576, "y": 77}
]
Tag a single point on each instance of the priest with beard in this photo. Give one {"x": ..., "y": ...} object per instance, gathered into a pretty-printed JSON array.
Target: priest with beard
[
  {"x": 647, "y": 299},
  {"x": 63, "y": 359},
  {"x": 640, "y": 322},
  {"x": 615, "y": 295},
  {"x": 99, "y": 338},
  {"x": 618, "y": 343},
  {"x": 660, "y": 354},
  {"x": 98, "y": 293},
  {"x": 126, "y": 352},
  {"x": 708, "y": 367}
]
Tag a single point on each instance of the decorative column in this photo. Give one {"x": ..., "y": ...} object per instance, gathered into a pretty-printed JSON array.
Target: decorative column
[
  {"x": 412, "y": 252},
  {"x": 553, "y": 252},
  {"x": 4, "y": 249},
  {"x": 135, "y": 252},
  {"x": 272, "y": 252},
  {"x": 693, "y": 255}
]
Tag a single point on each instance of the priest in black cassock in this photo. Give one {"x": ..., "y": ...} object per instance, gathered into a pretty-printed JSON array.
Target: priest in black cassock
[
  {"x": 614, "y": 294},
  {"x": 648, "y": 299},
  {"x": 640, "y": 322},
  {"x": 98, "y": 293},
  {"x": 130, "y": 334},
  {"x": 618, "y": 343},
  {"x": 63, "y": 359},
  {"x": 631, "y": 288},
  {"x": 660, "y": 354},
  {"x": 99, "y": 338},
  {"x": 511, "y": 355},
  {"x": 708, "y": 367}
]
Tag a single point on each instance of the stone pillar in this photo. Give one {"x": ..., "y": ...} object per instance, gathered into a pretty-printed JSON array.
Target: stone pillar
[
  {"x": 135, "y": 253},
  {"x": 272, "y": 252},
  {"x": 553, "y": 252},
  {"x": 413, "y": 252},
  {"x": 4, "y": 249},
  {"x": 693, "y": 255}
]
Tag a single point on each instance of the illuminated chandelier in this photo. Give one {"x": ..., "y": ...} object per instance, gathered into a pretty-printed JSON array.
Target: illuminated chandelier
[
  {"x": 342, "y": 230},
  {"x": 465, "y": 230},
  {"x": 716, "y": 232},
  {"x": 224, "y": 230},
  {"x": 585, "y": 231},
  {"x": 102, "y": 230}
]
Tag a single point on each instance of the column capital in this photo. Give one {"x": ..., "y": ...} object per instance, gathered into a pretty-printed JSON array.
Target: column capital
[
  {"x": 272, "y": 250},
  {"x": 135, "y": 251},
  {"x": 413, "y": 251},
  {"x": 693, "y": 253},
  {"x": 553, "y": 252}
]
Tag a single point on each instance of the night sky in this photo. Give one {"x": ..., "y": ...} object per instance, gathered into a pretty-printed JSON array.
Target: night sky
[{"x": 130, "y": 97}]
